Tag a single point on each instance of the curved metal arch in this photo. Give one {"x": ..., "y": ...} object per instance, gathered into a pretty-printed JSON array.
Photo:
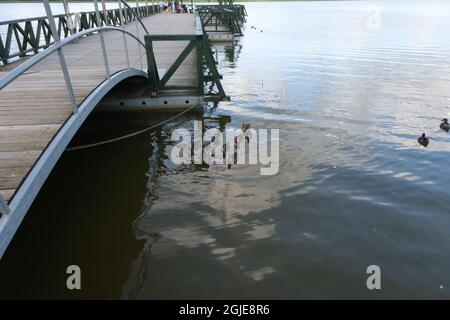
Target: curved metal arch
[
  {"x": 136, "y": 16},
  {"x": 22, "y": 68},
  {"x": 39, "y": 173}
]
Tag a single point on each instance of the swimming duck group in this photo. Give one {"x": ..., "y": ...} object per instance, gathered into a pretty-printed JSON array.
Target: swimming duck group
[
  {"x": 424, "y": 140},
  {"x": 253, "y": 27}
]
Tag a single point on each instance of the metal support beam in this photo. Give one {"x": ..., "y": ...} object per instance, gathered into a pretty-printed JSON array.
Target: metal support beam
[
  {"x": 152, "y": 72},
  {"x": 138, "y": 34},
  {"x": 62, "y": 60},
  {"x": 210, "y": 63},
  {"x": 105, "y": 13},
  {"x": 68, "y": 17},
  {"x": 168, "y": 103},
  {"x": 125, "y": 44},
  {"x": 4, "y": 208},
  {"x": 102, "y": 40},
  {"x": 199, "y": 43},
  {"x": 205, "y": 58}
]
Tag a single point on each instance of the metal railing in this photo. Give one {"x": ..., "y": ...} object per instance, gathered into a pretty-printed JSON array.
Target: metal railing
[
  {"x": 238, "y": 9},
  {"x": 229, "y": 16},
  {"x": 199, "y": 42},
  {"x": 56, "y": 47},
  {"x": 30, "y": 35},
  {"x": 205, "y": 62},
  {"x": 4, "y": 208}
]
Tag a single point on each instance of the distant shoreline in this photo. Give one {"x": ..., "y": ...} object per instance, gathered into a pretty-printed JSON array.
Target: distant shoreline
[{"x": 131, "y": 1}]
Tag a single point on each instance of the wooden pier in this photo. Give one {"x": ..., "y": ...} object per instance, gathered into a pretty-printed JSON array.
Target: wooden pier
[
  {"x": 46, "y": 97},
  {"x": 35, "y": 106},
  {"x": 222, "y": 23}
]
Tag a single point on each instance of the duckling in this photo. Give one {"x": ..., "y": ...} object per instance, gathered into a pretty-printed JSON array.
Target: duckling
[
  {"x": 423, "y": 140},
  {"x": 245, "y": 126},
  {"x": 445, "y": 125}
]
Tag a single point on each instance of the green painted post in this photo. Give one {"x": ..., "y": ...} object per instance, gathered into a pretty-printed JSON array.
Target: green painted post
[
  {"x": 153, "y": 76},
  {"x": 3, "y": 52},
  {"x": 210, "y": 63},
  {"x": 199, "y": 46}
]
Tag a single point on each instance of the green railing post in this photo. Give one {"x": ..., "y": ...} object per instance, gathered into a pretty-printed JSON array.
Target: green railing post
[
  {"x": 153, "y": 76},
  {"x": 199, "y": 47}
]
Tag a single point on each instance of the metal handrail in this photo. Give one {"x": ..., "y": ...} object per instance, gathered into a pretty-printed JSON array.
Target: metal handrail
[
  {"x": 19, "y": 70},
  {"x": 137, "y": 16},
  {"x": 31, "y": 19},
  {"x": 57, "y": 16},
  {"x": 2, "y": 23},
  {"x": 58, "y": 44},
  {"x": 33, "y": 34},
  {"x": 56, "y": 47}
]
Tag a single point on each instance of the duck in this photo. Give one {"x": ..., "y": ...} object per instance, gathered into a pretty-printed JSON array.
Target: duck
[
  {"x": 423, "y": 140},
  {"x": 445, "y": 125}
]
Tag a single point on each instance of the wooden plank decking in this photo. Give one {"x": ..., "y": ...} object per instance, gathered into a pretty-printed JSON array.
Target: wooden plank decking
[{"x": 35, "y": 106}]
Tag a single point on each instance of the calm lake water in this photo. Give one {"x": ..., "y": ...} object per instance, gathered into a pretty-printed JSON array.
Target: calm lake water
[{"x": 350, "y": 94}]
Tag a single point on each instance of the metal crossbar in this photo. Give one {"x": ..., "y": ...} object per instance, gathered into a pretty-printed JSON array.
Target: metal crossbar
[
  {"x": 239, "y": 10},
  {"x": 4, "y": 208},
  {"x": 57, "y": 46},
  {"x": 231, "y": 17},
  {"x": 205, "y": 62},
  {"x": 11, "y": 76}
]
